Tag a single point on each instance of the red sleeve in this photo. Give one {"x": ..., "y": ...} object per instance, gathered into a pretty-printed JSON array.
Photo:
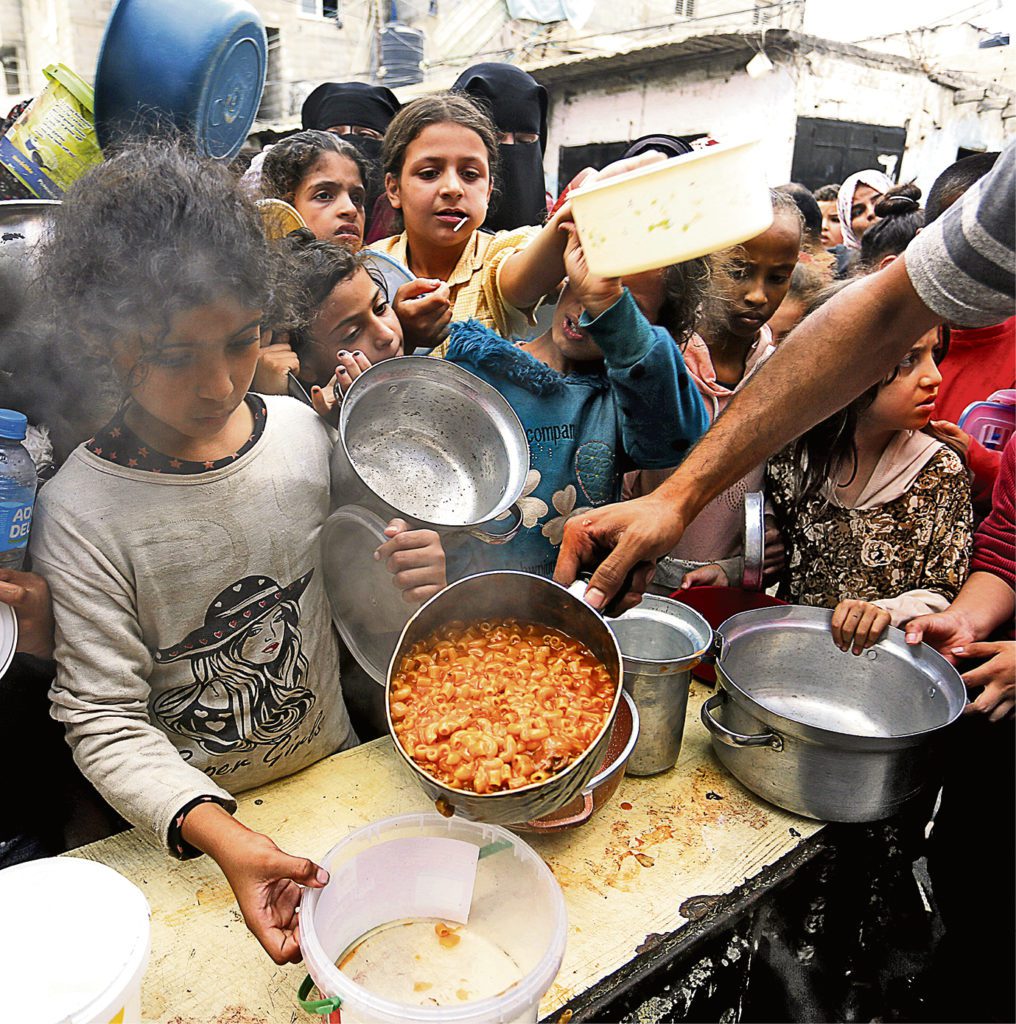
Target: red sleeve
[
  {"x": 995, "y": 540},
  {"x": 983, "y": 463}
]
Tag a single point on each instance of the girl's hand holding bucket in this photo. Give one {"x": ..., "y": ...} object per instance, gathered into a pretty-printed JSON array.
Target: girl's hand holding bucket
[{"x": 266, "y": 881}]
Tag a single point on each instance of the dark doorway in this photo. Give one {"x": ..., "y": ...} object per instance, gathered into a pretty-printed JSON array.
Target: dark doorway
[{"x": 827, "y": 151}]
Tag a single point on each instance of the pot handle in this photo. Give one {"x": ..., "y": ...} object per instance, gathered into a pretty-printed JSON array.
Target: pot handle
[
  {"x": 499, "y": 538},
  {"x": 560, "y": 824},
  {"x": 734, "y": 739}
]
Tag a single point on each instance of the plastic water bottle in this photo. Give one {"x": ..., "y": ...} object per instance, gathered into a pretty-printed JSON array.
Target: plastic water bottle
[{"x": 17, "y": 490}]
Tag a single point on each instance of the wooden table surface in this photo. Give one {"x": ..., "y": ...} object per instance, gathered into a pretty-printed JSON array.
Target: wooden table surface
[{"x": 693, "y": 831}]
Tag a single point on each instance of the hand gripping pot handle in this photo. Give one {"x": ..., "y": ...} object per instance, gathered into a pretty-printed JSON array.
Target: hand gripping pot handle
[
  {"x": 499, "y": 538},
  {"x": 735, "y": 739}
]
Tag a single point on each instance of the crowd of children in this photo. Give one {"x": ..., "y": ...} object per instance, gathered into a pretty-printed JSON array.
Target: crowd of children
[{"x": 175, "y": 599}]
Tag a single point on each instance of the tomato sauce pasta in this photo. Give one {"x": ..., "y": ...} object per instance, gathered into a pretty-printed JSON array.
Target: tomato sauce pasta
[{"x": 498, "y": 705}]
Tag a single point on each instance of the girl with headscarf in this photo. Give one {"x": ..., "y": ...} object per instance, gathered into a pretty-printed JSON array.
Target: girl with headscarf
[
  {"x": 517, "y": 105},
  {"x": 856, "y": 204}
]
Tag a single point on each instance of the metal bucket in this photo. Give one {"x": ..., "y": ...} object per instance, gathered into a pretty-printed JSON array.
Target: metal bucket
[
  {"x": 661, "y": 641},
  {"x": 429, "y": 442}
]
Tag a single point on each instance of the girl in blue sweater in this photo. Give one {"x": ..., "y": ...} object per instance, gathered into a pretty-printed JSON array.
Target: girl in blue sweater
[{"x": 602, "y": 392}]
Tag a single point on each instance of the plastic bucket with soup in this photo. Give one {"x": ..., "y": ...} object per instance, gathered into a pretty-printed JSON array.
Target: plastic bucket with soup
[
  {"x": 501, "y": 696},
  {"x": 673, "y": 211},
  {"x": 429, "y": 919},
  {"x": 77, "y": 944}
]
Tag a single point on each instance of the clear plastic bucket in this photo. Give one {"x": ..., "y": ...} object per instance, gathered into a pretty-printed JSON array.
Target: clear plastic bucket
[
  {"x": 433, "y": 919},
  {"x": 53, "y": 142},
  {"x": 76, "y": 943}
]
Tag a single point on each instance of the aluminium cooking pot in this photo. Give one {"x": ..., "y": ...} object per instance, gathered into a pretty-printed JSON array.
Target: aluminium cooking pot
[
  {"x": 820, "y": 731},
  {"x": 528, "y": 598},
  {"x": 429, "y": 442}
]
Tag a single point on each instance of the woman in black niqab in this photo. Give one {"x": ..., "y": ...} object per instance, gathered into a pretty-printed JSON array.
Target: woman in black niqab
[{"x": 517, "y": 104}]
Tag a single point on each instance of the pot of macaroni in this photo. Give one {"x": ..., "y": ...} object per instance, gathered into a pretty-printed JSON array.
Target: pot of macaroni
[{"x": 501, "y": 695}]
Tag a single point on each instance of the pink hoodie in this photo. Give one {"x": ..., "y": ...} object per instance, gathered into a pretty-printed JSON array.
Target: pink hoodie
[{"x": 715, "y": 534}]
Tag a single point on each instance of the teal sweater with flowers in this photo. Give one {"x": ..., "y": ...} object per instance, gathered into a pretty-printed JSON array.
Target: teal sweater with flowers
[{"x": 641, "y": 410}]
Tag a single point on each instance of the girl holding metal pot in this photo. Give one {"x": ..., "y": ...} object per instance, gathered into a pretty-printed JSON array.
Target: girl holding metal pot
[{"x": 195, "y": 651}]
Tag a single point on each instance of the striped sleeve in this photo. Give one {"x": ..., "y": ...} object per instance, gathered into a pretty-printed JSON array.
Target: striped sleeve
[{"x": 962, "y": 265}]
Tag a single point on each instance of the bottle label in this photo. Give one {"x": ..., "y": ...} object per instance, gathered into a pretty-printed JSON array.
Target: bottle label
[{"x": 15, "y": 524}]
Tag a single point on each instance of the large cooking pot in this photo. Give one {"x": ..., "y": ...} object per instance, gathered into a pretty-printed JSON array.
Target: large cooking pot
[
  {"x": 820, "y": 731},
  {"x": 425, "y": 440},
  {"x": 22, "y": 225},
  {"x": 518, "y": 595}
]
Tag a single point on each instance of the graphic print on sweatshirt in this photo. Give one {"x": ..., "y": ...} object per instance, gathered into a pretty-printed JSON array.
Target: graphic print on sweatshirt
[{"x": 248, "y": 666}]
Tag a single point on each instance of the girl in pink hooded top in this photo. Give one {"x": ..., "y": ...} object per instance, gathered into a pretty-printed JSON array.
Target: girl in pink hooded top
[{"x": 720, "y": 359}]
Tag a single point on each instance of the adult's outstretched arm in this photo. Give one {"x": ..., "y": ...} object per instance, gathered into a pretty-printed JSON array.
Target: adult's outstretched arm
[{"x": 843, "y": 348}]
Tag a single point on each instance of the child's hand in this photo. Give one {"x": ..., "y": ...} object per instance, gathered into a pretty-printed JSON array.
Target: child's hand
[
  {"x": 775, "y": 558},
  {"x": 597, "y": 294},
  {"x": 705, "y": 576},
  {"x": 860, "y": 623},
  {"x": 424, "y": 309},
  {"x": 416, "y": 559},
  {"x": 997, "y": 675},
  {"x": 953, "y": 435},
  {"x": 326, "y": 403},
  {"x": 327, "y": 400},
  {"x": 275, "y": 363},
  {"x": 266, "y": 882},
  {"x": 29, "y": 596},
  {"x": 351, "y": 365}
]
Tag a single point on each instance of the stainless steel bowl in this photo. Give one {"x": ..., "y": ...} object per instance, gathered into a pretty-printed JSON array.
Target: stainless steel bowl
[
  {"x": 518, "y": 595},
  {"x": 428, "y": 441}
]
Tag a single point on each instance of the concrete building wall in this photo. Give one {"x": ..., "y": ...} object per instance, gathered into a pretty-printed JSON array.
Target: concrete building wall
[
  {"x": 722, "y": 100},
  {"x": 837, "y": 87},
  {"x": 719, "y": 99}
]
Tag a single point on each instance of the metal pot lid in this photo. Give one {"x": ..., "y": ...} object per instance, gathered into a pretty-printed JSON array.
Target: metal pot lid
[
  {"x": 367, "y": 608},
  {"x": 781, "y": 665},
  {"x": 661, "y": 635}
]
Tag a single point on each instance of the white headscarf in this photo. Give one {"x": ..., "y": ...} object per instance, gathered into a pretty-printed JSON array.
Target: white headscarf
[{"x": 845, "y": 200}]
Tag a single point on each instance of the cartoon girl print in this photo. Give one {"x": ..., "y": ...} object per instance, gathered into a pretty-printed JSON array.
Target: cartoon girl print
[{"x": 248, "y": 666}]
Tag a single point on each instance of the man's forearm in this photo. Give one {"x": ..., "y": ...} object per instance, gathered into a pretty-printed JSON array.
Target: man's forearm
[
  {"x": 986, "y": 601},
  {"x": 839, "y": 351}
]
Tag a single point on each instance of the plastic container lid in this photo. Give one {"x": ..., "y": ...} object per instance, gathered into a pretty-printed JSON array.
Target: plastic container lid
[
  {"x": 367, "y": 608},
  {"x": 80, "y": 941},
  {"x": 13, "y": 425}
]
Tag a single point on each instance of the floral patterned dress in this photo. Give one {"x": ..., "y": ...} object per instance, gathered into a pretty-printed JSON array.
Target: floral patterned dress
[{"x": 915, "y": 544}]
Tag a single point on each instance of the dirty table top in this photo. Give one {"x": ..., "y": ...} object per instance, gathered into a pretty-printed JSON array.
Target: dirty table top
[{"x": 626, "y": 875}]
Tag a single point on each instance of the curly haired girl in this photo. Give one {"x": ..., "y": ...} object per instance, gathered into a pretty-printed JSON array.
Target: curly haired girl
[{"x": 193, "y": 636}]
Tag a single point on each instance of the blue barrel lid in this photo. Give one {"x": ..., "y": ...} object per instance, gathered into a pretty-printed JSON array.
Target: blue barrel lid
[{"x": 13, "y": 425}]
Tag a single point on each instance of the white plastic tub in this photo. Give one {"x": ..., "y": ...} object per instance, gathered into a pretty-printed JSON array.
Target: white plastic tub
[
  {"x": 75, "y": 944},
  {"x": 673, "y": 211},
  {"x": 434, "y": 919}
]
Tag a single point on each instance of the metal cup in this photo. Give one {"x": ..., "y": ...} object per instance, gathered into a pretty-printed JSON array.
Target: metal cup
[{"x": 661, "y": 641}]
